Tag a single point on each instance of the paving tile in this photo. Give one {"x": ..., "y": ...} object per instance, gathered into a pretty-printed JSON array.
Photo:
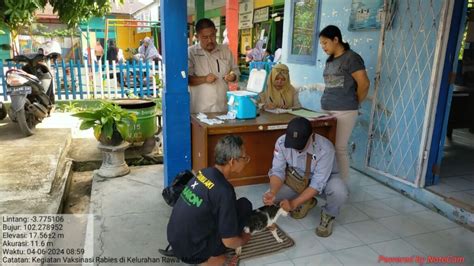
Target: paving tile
[
  {"x": 290, "y": 225},
  {"x": 281, "y": 263},
  {"x": 375, "y": 209},
  {"x": 306, "y": 243},
  {"x": 351, "y": 214},
  {"x": 450, "y": 242},
  {"x": 403, "y": 204},
  {"x": 357, "y": 179},
  {"x": 370, "y": 231},
  {"x": 320, "y": 259},
  {"x": 380, "y": 191},
  {"x": 396, "y": 248},
  {"x": 403, "y": 226},
  {"x": 432, "y": 220},
  {"x": 341, "y": 238},
  {"x": 359, "y": 195},
  {"x": 363, "y": 255},
  {"x": 281, "y": 256},
  {"x": 312, "y": 219}
]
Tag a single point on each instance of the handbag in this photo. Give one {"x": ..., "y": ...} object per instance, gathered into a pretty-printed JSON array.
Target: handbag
[
  {"x": 171, "y": 193},
  {"x": 294, "y": 180}
]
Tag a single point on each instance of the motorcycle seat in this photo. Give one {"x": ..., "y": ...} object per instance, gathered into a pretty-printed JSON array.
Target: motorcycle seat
[
  {"x": 25, "y": 74},
  {"x": 27, "y": 57}
]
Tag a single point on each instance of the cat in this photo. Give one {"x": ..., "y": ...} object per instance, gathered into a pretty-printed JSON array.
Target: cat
[{"x": 262, "y": 218}]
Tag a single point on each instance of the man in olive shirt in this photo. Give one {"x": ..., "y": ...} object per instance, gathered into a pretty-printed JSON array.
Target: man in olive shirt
[{"x": 211, "y": 67}]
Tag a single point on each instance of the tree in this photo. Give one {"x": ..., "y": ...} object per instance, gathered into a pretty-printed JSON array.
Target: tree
[{"x": 19, "y": 14}]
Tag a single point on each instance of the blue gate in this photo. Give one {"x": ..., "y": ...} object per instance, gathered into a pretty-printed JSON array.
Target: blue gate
[{"x": 407, "y": 84}]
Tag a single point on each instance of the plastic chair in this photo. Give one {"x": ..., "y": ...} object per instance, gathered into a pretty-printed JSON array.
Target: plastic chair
[{"x": 263, "y": 65}]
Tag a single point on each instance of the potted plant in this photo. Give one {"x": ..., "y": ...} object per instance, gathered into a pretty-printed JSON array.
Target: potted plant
[{"x": 109, "y": 121}]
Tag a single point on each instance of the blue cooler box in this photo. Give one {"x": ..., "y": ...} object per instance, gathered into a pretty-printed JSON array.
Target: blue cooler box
[{"x": 244, "y": 102}]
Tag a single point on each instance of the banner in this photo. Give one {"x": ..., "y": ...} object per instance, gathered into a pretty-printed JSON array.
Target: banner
[
  {"x": 261, "y": 14},
  {"x": 245, "y": 14}
]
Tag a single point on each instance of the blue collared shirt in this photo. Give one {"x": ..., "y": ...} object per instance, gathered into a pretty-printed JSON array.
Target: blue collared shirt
[{"x": 323, "y": 162}]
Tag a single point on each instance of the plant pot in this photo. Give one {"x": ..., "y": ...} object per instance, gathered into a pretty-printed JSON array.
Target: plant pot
[
  {"x": 146, "y": 125},
  {"x": 114, "y": 141}
]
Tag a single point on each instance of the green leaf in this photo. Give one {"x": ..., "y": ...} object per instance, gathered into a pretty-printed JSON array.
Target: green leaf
[
  {"x": 107, "y": 129},
  {"x": 104, "y": 120},
  {"x": 87, "y": 125},
  {"x": 97, "y": 131},
  {"x": 123, "y": 129},
  {"x": 87, "y": 115}
]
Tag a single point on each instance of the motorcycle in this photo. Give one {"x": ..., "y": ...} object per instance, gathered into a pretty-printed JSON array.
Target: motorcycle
[
  {"x": 31, "y": 90},
  {"x": 3, "y": 111}
]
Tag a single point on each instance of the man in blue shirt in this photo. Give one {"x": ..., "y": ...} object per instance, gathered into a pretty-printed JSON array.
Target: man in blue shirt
[{"x": 300, "y": 148}]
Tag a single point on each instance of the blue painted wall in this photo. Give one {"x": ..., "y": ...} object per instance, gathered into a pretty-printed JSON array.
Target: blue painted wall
[
  {"x": 366, "y": 43},
  {"x": 336, "y": 12}
]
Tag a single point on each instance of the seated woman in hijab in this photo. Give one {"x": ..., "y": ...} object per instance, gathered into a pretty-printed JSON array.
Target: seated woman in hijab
[
  {"x": 148, "y": 51},
  {"x": 280, "y": 93}
]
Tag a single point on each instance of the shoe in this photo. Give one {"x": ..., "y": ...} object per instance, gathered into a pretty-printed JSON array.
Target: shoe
[
  {"x": 167, "y": 251},
  {"x": 325, "y": 226},
  {"x": 301, "y": 211}
]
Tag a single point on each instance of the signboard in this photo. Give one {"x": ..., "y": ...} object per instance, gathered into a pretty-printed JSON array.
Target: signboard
[
  {"x": 245, "y": 14},
  {"x": 146, "y": 16},
  {"x": 245, "y": 40},
  {"x": 261, "y": 14}
]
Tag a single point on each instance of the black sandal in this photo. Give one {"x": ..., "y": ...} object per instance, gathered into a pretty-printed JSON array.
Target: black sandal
[{"x": 167, "y": 251}]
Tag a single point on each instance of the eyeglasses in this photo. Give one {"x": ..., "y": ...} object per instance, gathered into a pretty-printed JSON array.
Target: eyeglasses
[
  {"x": 246, "y": 158},
  {"x": 210, "y": 37}
]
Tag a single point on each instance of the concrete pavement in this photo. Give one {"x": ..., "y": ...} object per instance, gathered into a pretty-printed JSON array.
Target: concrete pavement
[
  {"x": 130, "y": 217},
  {"x": 33, "y": 170}
]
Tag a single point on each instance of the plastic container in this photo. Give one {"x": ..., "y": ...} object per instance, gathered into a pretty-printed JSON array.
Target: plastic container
[{"x": 244, "y": 102}]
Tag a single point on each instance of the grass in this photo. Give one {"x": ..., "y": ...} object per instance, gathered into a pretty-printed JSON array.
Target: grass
[{"x": 73, "y": 106}]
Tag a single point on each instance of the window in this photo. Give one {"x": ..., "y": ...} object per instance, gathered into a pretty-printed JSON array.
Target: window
[{"x": 303, "y": 25}]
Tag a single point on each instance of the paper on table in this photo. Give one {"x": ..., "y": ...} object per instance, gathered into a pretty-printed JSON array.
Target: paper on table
[
  {"x": 278, "y": 110},
  {"x": 306, "y": 113}
]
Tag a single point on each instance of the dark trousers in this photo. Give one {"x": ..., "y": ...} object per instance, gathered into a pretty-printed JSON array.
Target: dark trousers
[{"x": 216, "y": 247}]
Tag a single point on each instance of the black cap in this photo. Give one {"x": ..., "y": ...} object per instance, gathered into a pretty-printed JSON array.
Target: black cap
[{"x": 297, "y": 133}]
